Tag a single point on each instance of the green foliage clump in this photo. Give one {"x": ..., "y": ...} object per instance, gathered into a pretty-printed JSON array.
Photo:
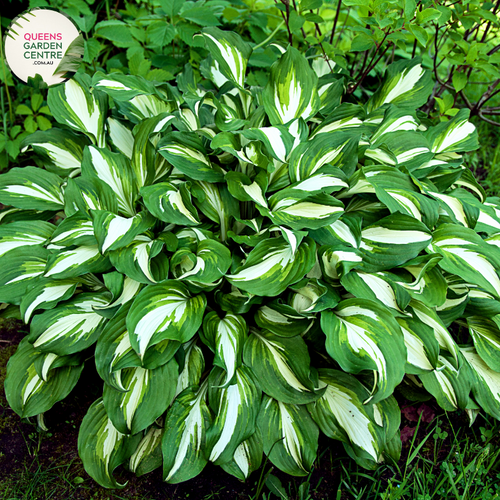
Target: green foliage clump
[{"x": 249, "y": 266}]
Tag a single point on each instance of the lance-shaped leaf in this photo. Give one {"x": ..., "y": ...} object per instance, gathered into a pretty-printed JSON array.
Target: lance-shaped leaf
[
  {"x": 468, "y": 256},
  {"x": 486, "y": 336},
  {"x": 281, "y": 366},
  {"x": 142, "y": 260},
  {"x": 392, "y": 241},
  {"x": 406, "y": 84},
  {"x": 82, "y": 195},
  {"x": 184, "y": 439},
  {"x": 458, "y": 134},
  {"x": 247, "y": 457},
  {"x": 449, "y": 385},
  {"x": 210, "y": 262},
  {"x": 60, "y": 150},
  {"x": 272, "y": 266},
  {"x": 27, "y": 393},
  {"x": 113, "y": 231},
  {"x": 217, "y": 204},
  {"x": 75, "y": 262},
  {"x": 76, "y": 106},
  {"x": 74, "y": 230},
  {"x": 339, "y": 149},
  {"x": 230, "y": 52},
  {"x": 236, "y": 408},
  {"x": 225, "y": 337},
  {"x": 147, "y": 456},
  {"x": 101, "y": 447},
  {"x": 187, "y": 153},
  {"x": 70, "y": 327},
  {"x": 312, "y": 296},
  {"x": 143, "y": 152},
  {"x": 128, "y": 290},
  {"x": 290, "y": 436},
  {"x": 161, "y": 312},
  {"x": 292, "y": 89},
  {"x": 18, "y": 270},
  {"x": 148, "y": 394},
  {"x": 194, "y": 365},
  {"x": 121, "y": 136},
  {"x": 485, "y": 382},
  {"x": 31, "y": 188},
  {"x": 277, "y": 140},
  {"x": 171, "y": 203},
  {"x": 122, "y": 87},
  {"x": 341, "y": 414},
  {"x": 243, "y": 188},
  {"x": 363, "y": 335},
  {"x": 430, "y": 318},
  {"x": 281, "y": 319},
  {"x": 45, "y": 294},
  {"x": 337, "y": 260},
  {"x": 421, "y": 343},
  {"x": 21, "y": 234},
  {"x": 292, "y": 209},
  {"x": 114, "y": 171}
]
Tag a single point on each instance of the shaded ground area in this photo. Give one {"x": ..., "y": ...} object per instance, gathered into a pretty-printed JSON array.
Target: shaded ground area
[{"x": 45, "y": 465}]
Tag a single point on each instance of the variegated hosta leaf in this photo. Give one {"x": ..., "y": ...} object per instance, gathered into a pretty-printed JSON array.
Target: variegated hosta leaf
[
  {"x": 277, "y": 140},
  {"x": 75, "y": 230},
  {"x": 312, "y": 296},
  {"x": 421, "y": 343},
  {"x": 449, "y": 385},
  {"x": 282, "y": 367},
  {"x": 458, "y": 134},
  {"x": 73, "y": 262},
  {"x": 31, "y": 188},
  {"x": 121, "y": 136},
  {"x": 148, "y": 394},
  {"x": 127, "y": 291},
  {"x": 210, "y": 262},
  {"x": 291, "y": 91},
  {"x": 101, "y": 447},
  {"x": 485, "y": 382},
  {"x": 230, "y": 52},
  {"x": 225, "y": 337},
  {"x": 143, "y": 152},
  {"x": 114, "y": 171},
  {"x": 341, "y": 414},
  {"x": 217, "y": 204},
  {"x": 429, "y": 317},
  {"x": 393, "y": 241},
  {"x": 297, "y": 211},
  {"x": 147, "y": 456},
  {"x": 70, "y": 327},
  {"x": 45, "y": 294},
  {"x": 486, "y": 336},
  {"x": 61, "y": 150},
  {"x": 27, "y": 393},
  {"x": 282, "y": 320},
  {"x": 171, "y": 203},
  {"x": 363, "y": 335},
  {"x": 114, "y": 232},
  {"x": 74, "y": 105},
  {"x": 187, "y": 153},
  {"x": 142, "y": 260},
  {"x": 184, "y": 439},
  {"x": 467, "y": 255},
  {"x": 83, "y": 195},
  {"x": 164, "y": 312},
  {"x": 243, "y": 188},
  {"x": 289, "y": 434},
  {"x": 273, "y": 265},
  {"x": 21, "y": 234},
  {"x": 236, "y": 408},
  {"x": 18, "y": 271},
  {"x": 319, "y": 155},
  {"x": 194, "y": 365},
  {"x": 406, "y": 84},
  {"x": 247, "y": 457},
  {"x": 122, "y": 87}
]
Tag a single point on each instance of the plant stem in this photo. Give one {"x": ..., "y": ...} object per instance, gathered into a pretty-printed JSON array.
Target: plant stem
[
  {"x": 270, "y": 36},
  {"x": 335, "y": 21}
]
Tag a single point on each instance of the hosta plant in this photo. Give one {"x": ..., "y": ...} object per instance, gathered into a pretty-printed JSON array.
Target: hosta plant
[{"x": 249, "y": 267}]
